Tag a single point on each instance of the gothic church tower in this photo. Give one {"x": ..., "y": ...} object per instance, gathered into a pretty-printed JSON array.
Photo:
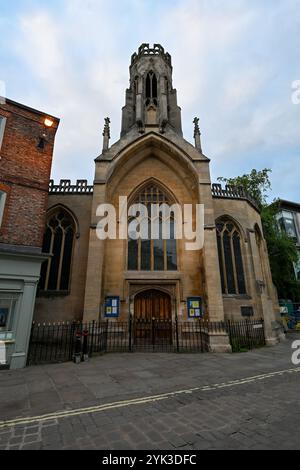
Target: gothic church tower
[{"x": 151, "y": 100}]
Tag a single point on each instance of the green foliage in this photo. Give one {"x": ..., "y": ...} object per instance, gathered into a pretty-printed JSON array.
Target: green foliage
[
  {"x": 256, "y": 184},
  {"x": 282, "y": 249}
]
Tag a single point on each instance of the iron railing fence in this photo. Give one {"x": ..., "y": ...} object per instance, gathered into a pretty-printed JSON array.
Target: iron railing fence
[
  {"x": 62, "y": 342},
  {"x": 245, "y": 335}
]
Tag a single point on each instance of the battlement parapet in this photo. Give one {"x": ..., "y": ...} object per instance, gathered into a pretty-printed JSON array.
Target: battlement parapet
[{"x": 66, "y": 186}]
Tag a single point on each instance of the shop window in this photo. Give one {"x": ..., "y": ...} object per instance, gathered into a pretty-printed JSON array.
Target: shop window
[{"x": 8, "y": 305}]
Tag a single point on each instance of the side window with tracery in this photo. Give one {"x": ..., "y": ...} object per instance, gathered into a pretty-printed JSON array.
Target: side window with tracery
[
  {"x": 230, "y": 258},
  {"x": 58, "y": 243}
]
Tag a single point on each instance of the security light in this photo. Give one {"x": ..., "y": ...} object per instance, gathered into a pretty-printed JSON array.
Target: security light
[{"x": 48, "y": 122}]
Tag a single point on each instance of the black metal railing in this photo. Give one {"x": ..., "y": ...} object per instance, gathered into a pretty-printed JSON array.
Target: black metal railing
[
  {"x": 245, "y": 335},
  {"x": 63, "y": 342}
]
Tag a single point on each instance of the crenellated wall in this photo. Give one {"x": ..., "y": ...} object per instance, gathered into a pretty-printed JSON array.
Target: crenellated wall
[{"x": 66, "y": 187}]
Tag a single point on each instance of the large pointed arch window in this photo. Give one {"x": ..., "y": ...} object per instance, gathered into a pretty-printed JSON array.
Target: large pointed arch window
[
  {"x": 147, "y": 254},
  {"x": 230, "y": 258},
  {"x": 58, "y": 243}
]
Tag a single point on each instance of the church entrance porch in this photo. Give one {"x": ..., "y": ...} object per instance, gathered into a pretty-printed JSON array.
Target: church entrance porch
[{"x": 152, "y": 320}]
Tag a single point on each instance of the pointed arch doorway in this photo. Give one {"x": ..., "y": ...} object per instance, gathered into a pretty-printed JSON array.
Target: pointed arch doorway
[
  {"x": 153, "y": 318},
  {"x": 153, "y": 304}
]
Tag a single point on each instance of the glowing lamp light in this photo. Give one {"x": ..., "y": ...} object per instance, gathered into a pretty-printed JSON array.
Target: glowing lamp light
[{"x": 48, "y": 122}]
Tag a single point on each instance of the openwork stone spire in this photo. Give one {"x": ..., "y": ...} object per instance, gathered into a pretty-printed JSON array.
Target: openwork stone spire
[
  {"x": 151, "y": 100},
  {"x": 106, "y": 134},
  {"x": 197, "y": 135}
]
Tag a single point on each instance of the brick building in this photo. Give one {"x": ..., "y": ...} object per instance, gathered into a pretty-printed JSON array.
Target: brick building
[
  {"x": 26, "y": 149},
  {"x": 86, "y": 278}
]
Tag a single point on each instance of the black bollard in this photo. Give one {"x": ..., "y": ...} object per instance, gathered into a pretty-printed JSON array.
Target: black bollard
[
  {"x": 85, "y": 351},
  {"x": 78, "y": 353}
]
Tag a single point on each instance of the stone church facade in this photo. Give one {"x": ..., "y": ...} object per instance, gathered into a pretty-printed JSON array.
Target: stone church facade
[{"x": 153, "y": 162}]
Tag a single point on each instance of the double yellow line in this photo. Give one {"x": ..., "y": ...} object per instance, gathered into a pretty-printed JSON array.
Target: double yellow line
[{"x": 139, "y": 401}]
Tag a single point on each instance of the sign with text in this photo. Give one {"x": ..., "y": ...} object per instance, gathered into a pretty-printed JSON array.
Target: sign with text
[
  {"x": 112, "y": 307},
  {"x": 194, "y": 305}
]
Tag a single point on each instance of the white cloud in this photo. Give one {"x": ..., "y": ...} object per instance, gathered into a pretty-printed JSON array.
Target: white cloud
[
  {"x": 230, "y": 60},
  {"x": 198, "y": 33},
  {"x": 243, "y": 85},
  {"x": 80, "y": 90},
  {"x": 41, "y": 46}
]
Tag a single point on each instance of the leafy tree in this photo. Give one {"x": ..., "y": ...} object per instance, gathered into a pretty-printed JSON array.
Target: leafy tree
[
  {"x": 257, "y": 184},
  {"x": 282, "y": 248}
]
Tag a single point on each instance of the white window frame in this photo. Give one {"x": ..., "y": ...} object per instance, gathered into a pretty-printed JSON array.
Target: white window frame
[
  {"x": 288, "y": 215},
  {"x": 3, "y": 196},
  {"x": 2, "y": 128}
]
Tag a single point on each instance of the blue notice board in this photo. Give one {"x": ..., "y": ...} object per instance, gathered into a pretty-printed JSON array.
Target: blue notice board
[
  {"x": 194, "y": 305},
  {"x": 112, "y": 307}
]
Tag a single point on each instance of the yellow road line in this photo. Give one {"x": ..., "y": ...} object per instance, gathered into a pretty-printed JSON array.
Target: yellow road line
[{"x": 139, "y": 401}]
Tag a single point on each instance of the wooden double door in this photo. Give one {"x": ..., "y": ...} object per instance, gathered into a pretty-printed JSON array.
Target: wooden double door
[
  {"x": 153, "y": 305},
  {"x": 153, "y": 317}
]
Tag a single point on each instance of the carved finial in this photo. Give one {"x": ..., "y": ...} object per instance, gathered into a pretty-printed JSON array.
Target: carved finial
[
  {"x": 106, "y": 131},
  {"x": 197, "y": 134},
  {"x": 106, "y": 134},
  {"x": 197, "y": 129}
]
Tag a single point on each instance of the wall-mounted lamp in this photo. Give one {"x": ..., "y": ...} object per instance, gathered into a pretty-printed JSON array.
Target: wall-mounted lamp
[
  {"x": 48, "y": 122},
  {"x": 43, "y": 139}
]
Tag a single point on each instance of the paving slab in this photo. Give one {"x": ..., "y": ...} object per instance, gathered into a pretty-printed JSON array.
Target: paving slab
[{"x": 155, "y": 401}]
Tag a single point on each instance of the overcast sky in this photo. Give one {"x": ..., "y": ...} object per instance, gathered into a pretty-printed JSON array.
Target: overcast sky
[{"x": 234, "y": 64}]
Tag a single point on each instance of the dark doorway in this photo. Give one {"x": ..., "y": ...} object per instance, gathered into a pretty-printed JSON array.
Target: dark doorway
[{"x": 152, "y": 319}]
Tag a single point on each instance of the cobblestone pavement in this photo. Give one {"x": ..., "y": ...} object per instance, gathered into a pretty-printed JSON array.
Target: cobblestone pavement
[{"x": 158, "y": 401}]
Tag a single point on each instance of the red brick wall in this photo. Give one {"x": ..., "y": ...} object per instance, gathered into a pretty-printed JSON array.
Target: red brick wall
[{"x": 25, "y": 170}]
